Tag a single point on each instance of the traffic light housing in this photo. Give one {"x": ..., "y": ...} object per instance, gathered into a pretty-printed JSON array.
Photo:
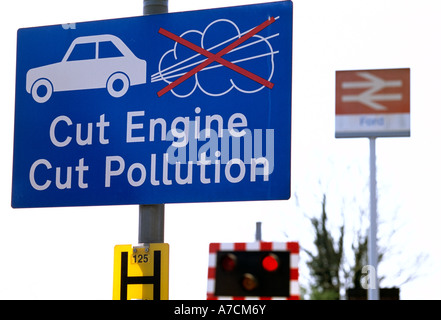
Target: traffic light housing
[
  {"x": 252, "y": 273},
  {"x": 254, "y": 270}
]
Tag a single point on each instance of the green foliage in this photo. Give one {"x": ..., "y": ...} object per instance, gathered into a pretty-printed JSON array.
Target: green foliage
[
  {"x": 325, "y": 265},
  {"x": 334, "y": 267}
]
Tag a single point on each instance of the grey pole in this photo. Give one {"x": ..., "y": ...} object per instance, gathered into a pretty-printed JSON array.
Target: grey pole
[
  {"x": 259, "y": 231},
  {"x": 155, "y": 6},
  {"x": 373, "y": 290},
  {"x": 151, "y": 217}
]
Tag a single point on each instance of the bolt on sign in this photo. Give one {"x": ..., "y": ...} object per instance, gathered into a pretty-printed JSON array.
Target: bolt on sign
[
  {"x": 372, "y": 103},
  {"x": 262, "y": 270},
  {"x": 141, "y": 273}
]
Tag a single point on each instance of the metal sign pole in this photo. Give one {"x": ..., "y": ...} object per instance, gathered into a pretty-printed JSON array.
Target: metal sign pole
[
  {"x": 155, "y": 6},
  {"x": 151, "y": 217},
  {"x": 373, "y": 291},
  {"x": 258, "y": 231}
]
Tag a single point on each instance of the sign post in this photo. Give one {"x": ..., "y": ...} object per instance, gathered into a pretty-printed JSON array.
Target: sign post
[
  {"x": 372, "y": 103},
  {"x": 151, "y": 217},
  {"x": 373, "y": 289}
]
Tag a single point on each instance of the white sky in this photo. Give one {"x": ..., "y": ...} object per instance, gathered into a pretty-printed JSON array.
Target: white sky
[{"x": 67, "y": 253}]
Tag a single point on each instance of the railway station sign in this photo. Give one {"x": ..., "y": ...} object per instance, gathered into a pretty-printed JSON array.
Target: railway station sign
[{"x": 372, "y": 103}]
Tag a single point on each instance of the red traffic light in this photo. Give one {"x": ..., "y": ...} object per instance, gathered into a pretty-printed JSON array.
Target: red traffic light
[
  {"x": 228, "y": 262},
  {"x": 270, "y": 263}
]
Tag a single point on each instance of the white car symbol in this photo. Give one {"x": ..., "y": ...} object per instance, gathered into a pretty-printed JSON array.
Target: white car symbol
[{"x": 92, "y": 62}]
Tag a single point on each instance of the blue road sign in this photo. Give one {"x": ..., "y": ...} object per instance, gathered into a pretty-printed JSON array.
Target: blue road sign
[{"x": 183, "y": 107}]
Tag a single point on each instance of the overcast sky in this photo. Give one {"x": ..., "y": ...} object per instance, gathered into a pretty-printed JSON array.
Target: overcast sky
[{"x": 67, "y": 253}]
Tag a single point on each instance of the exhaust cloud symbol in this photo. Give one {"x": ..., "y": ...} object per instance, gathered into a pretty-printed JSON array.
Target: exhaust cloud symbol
[{"x": 255, "y": 55}]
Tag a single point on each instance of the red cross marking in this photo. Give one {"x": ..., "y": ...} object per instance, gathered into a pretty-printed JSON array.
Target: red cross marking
[{"x": 216, "y": 57}]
